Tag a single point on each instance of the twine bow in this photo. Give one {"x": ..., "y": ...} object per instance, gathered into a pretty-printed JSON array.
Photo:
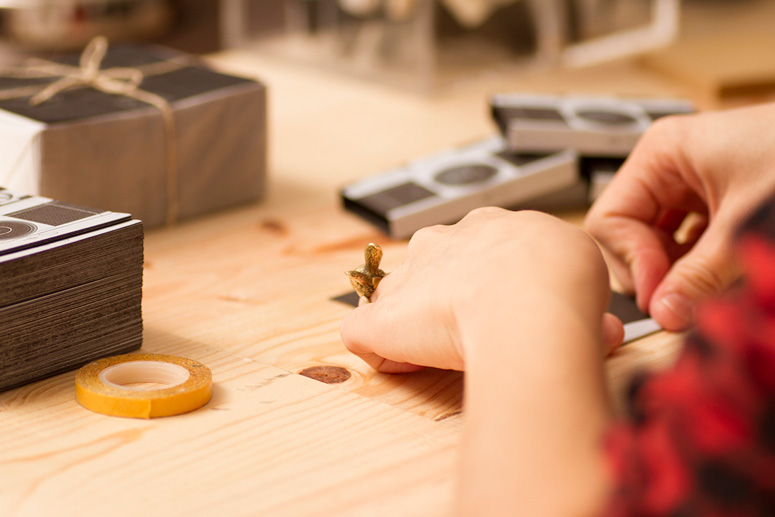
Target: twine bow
[{"x": 114, "y": 81}]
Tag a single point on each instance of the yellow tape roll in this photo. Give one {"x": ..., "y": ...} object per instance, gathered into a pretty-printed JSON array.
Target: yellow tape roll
[{"x": 112, "y": 386}]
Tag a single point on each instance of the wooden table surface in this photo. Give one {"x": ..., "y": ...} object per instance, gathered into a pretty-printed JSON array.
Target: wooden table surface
[{"x": 248, "y": 292}]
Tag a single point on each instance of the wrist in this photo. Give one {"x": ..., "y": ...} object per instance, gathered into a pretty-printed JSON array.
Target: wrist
[
  {"x": 534, "y": 388},
  {"x": 535, "y": 324}
]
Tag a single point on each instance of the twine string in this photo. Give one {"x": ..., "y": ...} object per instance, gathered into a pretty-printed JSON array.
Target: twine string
[{"x": 120, "y": 81}]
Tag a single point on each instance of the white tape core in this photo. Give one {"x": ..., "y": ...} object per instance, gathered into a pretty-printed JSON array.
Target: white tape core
[{"x": 144, "y": 375}]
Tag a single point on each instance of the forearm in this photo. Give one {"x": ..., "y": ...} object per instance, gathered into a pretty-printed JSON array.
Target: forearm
[{"x": 535, "y": 410}]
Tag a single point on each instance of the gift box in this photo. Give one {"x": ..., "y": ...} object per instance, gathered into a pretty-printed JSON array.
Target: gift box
[{"x": 133, "y": 128}]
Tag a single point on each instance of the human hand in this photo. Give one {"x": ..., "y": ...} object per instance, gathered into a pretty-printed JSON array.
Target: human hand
[
  {"x": 718, "y": 165},
  {"x": 460, "y": 279}
]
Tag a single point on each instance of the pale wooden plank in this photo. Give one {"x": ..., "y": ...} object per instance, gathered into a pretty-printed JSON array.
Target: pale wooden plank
[
  {"x": 269, "y": 442},
  {"x": 247, "y": 292}
]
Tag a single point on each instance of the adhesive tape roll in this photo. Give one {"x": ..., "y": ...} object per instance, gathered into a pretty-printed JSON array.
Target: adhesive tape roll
[{"x": 114, "y": 385}]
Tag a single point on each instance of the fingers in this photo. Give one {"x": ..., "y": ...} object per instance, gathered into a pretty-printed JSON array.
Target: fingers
[
  {"x": 637, "y": 254},
  {"x": 388, "y": 366},
  {"x": 613, "y": 332},
  {"x": 669, "y": 278},
  {"x": 356, "y": 332},
  {"x": 637, "y": 216},
  {"x": 361, "y": 335},
  {"x": 708, "y": 268},
  {"x": 466, "y": 273}
]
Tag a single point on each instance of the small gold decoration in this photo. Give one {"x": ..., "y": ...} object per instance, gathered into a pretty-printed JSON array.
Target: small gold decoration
[{"x": 365, "y": 278}]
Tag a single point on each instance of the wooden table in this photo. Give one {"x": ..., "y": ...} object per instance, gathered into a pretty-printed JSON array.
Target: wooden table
[{"x": 248, "y": 292}]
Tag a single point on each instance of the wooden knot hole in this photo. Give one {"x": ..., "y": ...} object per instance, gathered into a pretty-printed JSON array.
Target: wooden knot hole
[{"x": 327, "y": 374}]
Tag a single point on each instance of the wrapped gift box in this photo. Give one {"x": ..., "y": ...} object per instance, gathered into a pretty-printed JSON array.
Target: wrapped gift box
[{"x": 114, "y": 151}]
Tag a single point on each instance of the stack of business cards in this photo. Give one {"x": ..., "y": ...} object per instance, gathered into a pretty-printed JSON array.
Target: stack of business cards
[
  {"x": 554, "y": 152},
  {"x": 602, "y": 130},
  {"x": 593, "y": 126},
  {"x": 443, "y": 187},
  {"x": 72, "y": 286}
]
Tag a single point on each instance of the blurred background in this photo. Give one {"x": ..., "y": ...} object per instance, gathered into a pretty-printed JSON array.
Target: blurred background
[{"x": 718, "y": 45}]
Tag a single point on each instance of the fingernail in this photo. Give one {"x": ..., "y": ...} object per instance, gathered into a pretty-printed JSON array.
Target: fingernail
[{"x": 681, "y": 307}]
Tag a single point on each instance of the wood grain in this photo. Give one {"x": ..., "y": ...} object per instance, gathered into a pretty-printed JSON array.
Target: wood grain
[
  {"x": 248, "y": 292},
  {"x": 269, "y": 443}
]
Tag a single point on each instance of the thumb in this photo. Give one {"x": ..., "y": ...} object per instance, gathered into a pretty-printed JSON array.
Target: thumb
[
  {"x": 361, "y": 335},
  {"x": 707, "y": 269}
]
